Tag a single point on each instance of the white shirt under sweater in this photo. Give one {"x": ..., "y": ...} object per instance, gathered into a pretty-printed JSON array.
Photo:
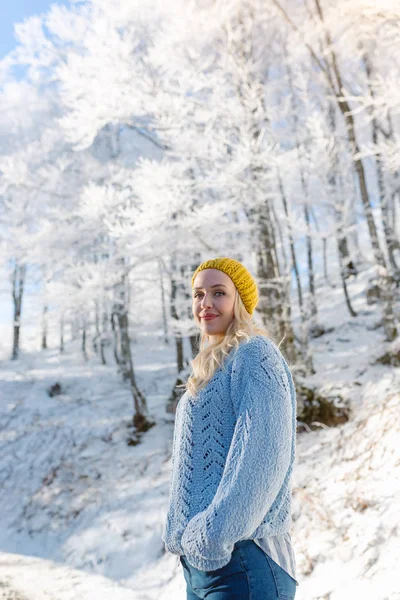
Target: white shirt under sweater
[{"x": 279, "y": 548}]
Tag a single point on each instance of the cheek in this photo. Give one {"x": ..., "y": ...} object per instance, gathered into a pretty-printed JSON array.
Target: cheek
[{"x": 227, "y": 305}]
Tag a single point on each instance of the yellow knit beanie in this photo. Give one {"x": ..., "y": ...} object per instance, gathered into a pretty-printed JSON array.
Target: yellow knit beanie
[{"x": 244, "y": 282}]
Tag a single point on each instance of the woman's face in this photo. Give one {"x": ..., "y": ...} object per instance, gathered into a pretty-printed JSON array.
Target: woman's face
[{"x": 213, "y": 301}]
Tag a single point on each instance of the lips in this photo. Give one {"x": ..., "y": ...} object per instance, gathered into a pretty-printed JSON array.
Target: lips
[{"x": 209, "y": 317}]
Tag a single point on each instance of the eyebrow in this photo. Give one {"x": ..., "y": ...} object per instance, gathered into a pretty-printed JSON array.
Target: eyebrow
[{"x": 213, "y": 286}]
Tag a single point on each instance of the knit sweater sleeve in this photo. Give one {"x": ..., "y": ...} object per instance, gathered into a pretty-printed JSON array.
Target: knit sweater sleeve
[{"x": 258, "y": 457}]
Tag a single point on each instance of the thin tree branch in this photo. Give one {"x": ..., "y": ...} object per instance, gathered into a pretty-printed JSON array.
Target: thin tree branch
[{"x": 320, "y": 64}]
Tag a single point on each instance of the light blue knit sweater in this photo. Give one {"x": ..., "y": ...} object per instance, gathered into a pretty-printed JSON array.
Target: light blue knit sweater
[{"x": 232, "y": 457}]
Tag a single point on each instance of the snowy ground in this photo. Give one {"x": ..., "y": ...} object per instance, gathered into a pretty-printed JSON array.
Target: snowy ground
[{"x": 81, "y": 512}]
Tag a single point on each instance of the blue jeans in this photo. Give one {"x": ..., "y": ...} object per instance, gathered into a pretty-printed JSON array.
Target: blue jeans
[{"x": 249, "y": 575}]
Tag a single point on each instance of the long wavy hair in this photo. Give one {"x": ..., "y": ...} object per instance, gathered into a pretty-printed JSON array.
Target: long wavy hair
[{"x": 211, "y": 357}]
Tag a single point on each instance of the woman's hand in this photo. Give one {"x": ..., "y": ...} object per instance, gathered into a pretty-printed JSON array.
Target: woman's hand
[{"x": 197, "y": 541}]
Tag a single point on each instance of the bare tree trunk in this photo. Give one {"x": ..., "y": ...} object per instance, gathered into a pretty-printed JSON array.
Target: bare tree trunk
[
  {"x": 104, "y": 338},
  {"x": 44, "y": 326},
  {"x": 83, "y": 347},
  {"x": 116, "y": 341},
  {"x": 163, "y": 305},
  {"x": 313, "y": 312},
  {"x": 292, "y": 247},
  {"x": 387, "y": 296},
  {"x": 194, "y": 338},
  {"x": 120, "y": 312},
  {"x": 18, "y": 283},
  {"x": 274, "y": 306},
  {"x": 194, "y": 345},
  {"x": 270, "y": 304},
  {"x": 347, "y": 267},
  {"x": 99, "y": 340},
  {"x": 313, "y": 328},
  {"x": 120, "y": 323},
  {"x": 324, "y": 238},
  {"x": 62, "y": 348},
  {"x": 304, "y": 341},
  {"x": 179, "y": 354},
  {"x": 325, "y": 260},
  {"x": 345, "y": 263},
  {"x": 392, "y": 243},
  {"x": 97, "y": 335},
  {"x": 174, "y": 314},
  {"x": 395, "y": 190},
  {"x": 395, "y": 196},
  {"x": 180, "y": 295},
  {"x": 310, "y": 265},
  {"x": 283, "y": 268}
]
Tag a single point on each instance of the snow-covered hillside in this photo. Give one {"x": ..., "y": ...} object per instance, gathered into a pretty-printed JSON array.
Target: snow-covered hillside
[{"x": 81, "y": 511}]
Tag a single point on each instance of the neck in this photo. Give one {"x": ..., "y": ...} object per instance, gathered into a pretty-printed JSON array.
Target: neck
[{"x": 215, "y": 339}]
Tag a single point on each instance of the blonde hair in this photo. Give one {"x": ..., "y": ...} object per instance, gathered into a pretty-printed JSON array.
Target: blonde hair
[{"x": 211, "y": 357}]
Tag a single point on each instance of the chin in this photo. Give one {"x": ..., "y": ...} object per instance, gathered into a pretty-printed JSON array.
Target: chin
[
  {"x": 214, "y": 332},
  {"x": 210, "y": 331}
]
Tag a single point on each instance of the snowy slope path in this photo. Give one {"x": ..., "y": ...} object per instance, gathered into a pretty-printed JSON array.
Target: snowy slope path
[
  {"x": 346, "y": 504},
  {"x": 346, "y": 494},
  {"x": 73, "y": 491},
  {"x": 26, "y": 578}
]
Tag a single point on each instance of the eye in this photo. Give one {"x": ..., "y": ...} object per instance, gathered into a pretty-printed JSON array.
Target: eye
[
  {"x": 197, "y": 294},
  {"x": 223, "y": 293}
]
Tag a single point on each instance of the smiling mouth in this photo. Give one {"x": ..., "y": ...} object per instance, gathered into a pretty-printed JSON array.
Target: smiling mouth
[{"x": 209, "y": 318}]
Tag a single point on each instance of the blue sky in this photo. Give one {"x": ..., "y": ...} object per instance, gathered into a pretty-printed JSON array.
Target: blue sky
[{"x": 14, "y": 11}]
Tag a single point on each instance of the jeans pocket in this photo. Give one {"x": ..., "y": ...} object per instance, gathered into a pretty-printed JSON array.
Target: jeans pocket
[{"x": 285, "y": 584}]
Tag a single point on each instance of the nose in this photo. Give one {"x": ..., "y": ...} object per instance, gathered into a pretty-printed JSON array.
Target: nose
[{"x": 206, "y": 300}]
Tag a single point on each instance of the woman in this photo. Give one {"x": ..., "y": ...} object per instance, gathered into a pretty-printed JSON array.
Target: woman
[{"x": 233, "y": 450}]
